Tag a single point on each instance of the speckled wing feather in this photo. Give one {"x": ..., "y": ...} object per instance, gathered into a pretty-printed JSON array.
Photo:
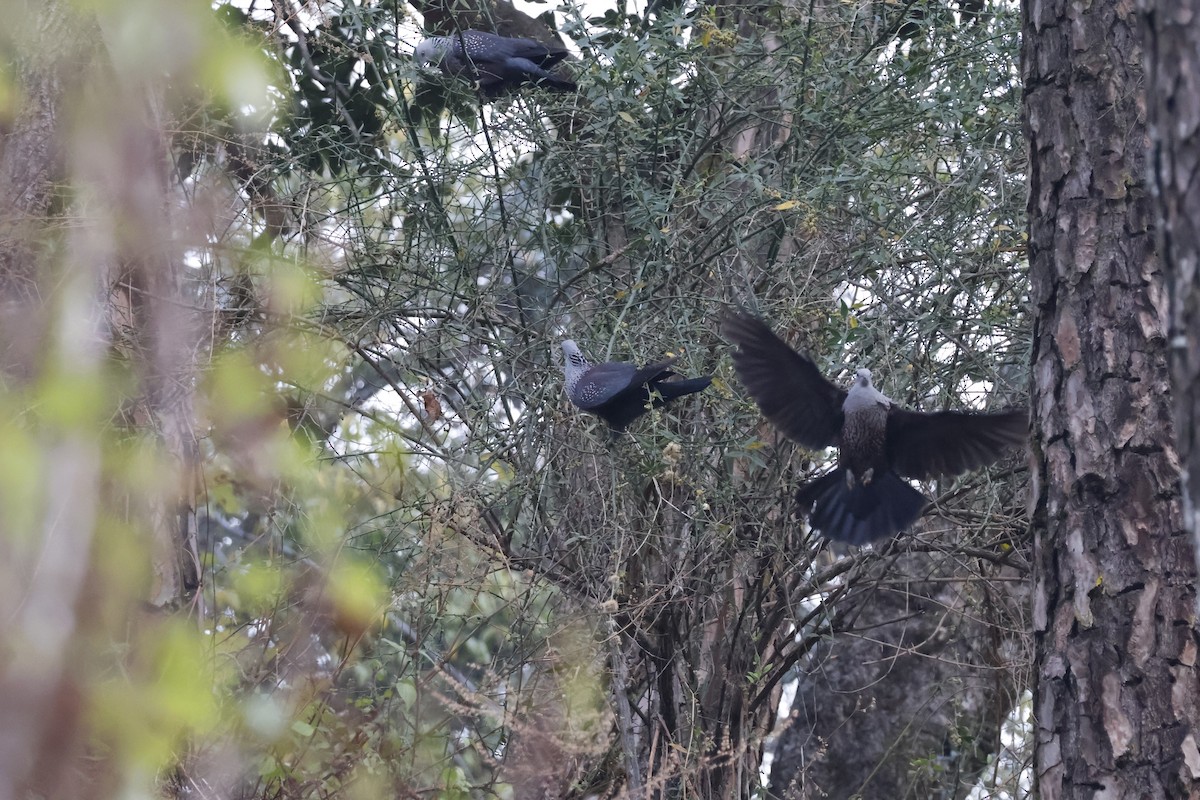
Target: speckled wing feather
[
  {"x": 491, "y": 47},
  {"x": 926, "y": 446},
  {"x": 788, "y": 387},
  {"x": 502, "y": 63},
  {"x": 603, "y": 382}
]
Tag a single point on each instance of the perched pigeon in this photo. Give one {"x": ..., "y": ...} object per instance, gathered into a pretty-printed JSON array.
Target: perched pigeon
[
  {"x": 496, "y": 63},
  {"x": 865, "y": 498},
  {"x": 619, "y": 392}
]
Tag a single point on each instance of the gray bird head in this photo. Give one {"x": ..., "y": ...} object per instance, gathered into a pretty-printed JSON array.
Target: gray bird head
[
  {"x": 862, "y": 394},
  {"x": 575, "y": 364},
  {"x": 430, "y": 52}
]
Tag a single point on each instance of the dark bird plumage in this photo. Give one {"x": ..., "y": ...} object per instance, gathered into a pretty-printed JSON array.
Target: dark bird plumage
[
  {"x": 879, "y": 443},
  {"x": 497, "y": 64},
  {"x": 619, "y": 392}
]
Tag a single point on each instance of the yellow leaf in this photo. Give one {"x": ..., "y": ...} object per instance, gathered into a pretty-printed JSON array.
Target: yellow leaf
[
  {"x": 786, "y": 204},
  {"x": 625, "y": 115}
]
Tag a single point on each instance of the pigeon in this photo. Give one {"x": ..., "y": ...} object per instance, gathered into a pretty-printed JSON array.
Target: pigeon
[
  {"x": 619, "y": 392},
  {"x": 496, "y": 63},
  {"x": 879, "y": 443}
]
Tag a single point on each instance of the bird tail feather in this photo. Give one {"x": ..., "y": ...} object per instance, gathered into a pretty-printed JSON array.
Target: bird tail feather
[
  {"x": 519, "y": 68},
  {"x": 672, "y": 389},
  {"x": 858, "y": 513}
]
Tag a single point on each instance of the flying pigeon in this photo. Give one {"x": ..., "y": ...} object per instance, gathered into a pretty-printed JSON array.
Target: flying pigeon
[
  {"x": 865, "y": 498},
  {"x": 619, "y": 392},
  {"x": 496, "y": 63}
]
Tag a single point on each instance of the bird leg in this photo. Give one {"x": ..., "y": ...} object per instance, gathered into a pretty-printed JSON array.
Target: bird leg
[{"x": 864, "y": 479}]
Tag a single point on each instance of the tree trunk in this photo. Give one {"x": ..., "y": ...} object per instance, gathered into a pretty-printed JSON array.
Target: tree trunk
[
  {"x": 1173, "y": 80},
  {"x": 1117, "y": 697},
  {"x": 89, "y": 268},
  {"x": 47, "y": 544},
  {"x": 152, "y": 321}
]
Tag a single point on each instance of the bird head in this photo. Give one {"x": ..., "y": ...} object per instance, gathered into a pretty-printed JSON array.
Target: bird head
[
  {"x": 430, "y": 52},
  {"x": 574, "y": 358},
  {"x": 575, "y": 365},
  {"x": 864, "y": 393}
]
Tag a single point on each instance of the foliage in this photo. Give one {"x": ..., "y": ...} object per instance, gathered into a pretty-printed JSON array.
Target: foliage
[{"x": 420, "y": 571}]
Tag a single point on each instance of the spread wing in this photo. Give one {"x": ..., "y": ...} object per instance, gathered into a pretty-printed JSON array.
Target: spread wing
[
  {"x": 788, "y": 387},
  {"x": 603, "y": 382},
  {"x": 925, "y": 446}
]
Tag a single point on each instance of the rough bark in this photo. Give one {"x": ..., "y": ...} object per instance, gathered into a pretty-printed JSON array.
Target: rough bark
[
  {"x": 1173, "y": 105},
  {"x": 1116, "y": 703}
]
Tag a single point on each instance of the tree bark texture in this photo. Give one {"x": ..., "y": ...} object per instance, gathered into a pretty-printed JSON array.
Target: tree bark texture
[
  {"x": 1173, "y": 104},
  {"x": 1118, "y": 698}
]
